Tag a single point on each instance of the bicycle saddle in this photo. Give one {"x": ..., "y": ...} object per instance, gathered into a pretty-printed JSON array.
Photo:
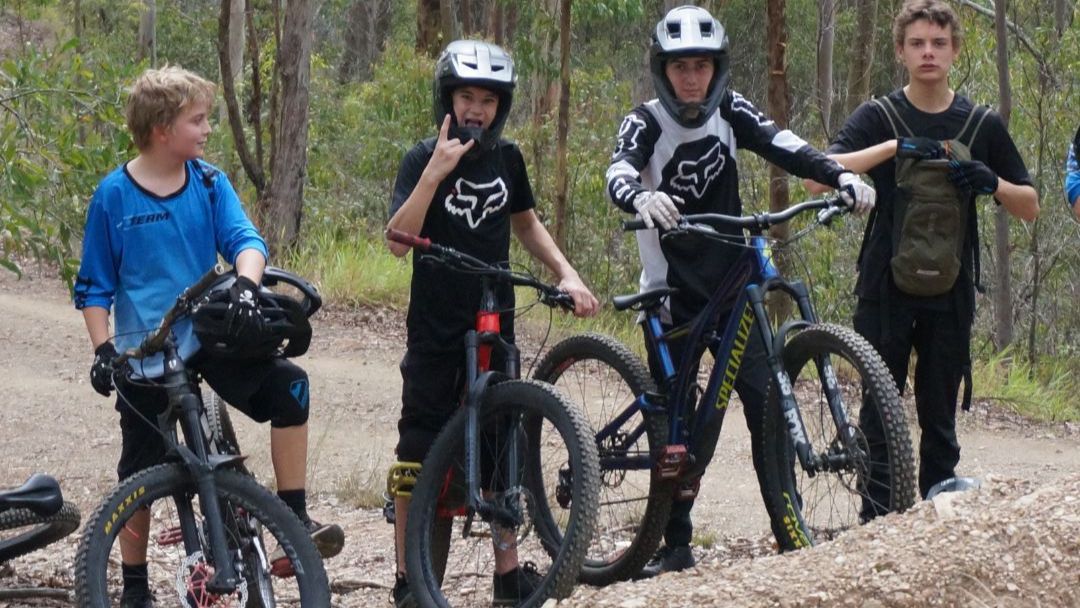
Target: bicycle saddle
[
  {"x": 41, "y": 494},
  {"x": 647, "y": 299}
]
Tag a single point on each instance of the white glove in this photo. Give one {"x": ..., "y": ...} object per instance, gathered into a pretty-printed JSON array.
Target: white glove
[
  {"x": 657, "y": 208},
  {"x": 856, "y": 193}
]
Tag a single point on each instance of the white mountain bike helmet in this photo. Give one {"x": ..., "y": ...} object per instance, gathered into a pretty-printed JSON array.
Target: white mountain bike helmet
[
  {"x": 689, "y": 31},
  {"x": 480, "y": 64}
]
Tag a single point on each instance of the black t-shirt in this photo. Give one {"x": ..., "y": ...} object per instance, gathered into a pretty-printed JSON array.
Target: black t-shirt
[
  {"x": 471, "y": 213},
  {"x": 868, "y": 126}
]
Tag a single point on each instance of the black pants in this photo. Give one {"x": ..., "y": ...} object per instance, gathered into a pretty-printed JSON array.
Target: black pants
[
  {"x": 752, "y": 385},
  {"x": 941, "y": 340}
]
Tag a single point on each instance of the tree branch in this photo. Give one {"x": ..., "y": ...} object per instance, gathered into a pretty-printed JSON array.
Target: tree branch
[
  {"x": 251, "y": 167},
  {"x": 1024, "y": 40}
]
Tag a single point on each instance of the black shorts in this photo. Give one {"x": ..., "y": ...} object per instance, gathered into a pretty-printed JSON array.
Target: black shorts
[
  {"x": 430, "y": 394},
  {"x": 274, "y": 390}
]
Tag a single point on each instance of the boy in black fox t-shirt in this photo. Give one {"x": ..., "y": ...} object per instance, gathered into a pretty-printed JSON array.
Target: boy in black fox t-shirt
[
  {"x": 927, "y": 40},
  {"x": 467, "y": 189}
]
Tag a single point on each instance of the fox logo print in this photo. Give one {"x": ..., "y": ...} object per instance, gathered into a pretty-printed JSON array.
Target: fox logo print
[
  {"x": 475, "y": 202},
  {"x": 632, "y": 127},
  {"x": 695, "y": 175}
]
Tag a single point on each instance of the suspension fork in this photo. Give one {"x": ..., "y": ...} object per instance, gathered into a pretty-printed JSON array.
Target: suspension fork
[{"x": 225, "y": 579}]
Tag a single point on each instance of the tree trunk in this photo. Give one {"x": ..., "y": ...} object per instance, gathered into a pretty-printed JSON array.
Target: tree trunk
[
  {"x": 496, "y": 23},
  {"x": 366, "y": 27},
  {"x": 826, "y": 40},
  {"x": 862, "y": 55},
  {"x": 428, "y": 27},
  {"x": 288, "y": 165},
  {"x": 561, "y": 177},
  {"x": 1062, "y": 10},
  {"x": 235, "y": 49},
  {"x": 252, "y": 166},
  {"x": 1003, "y": 313},
  {"x": 777, "y": 107},
  {"x": 147, "y": 47},
  {"x": 448, "y": 18}
]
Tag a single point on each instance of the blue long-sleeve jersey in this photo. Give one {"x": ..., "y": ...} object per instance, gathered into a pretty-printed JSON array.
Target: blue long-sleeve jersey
[
  {"x": 141, "y": 250},
  {"x": 1072, "y": 175}
]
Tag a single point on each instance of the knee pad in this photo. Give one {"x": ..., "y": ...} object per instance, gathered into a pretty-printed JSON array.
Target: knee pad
[
  {"x": 401, "y": 479},
  {"x": 286, "y": 397}
]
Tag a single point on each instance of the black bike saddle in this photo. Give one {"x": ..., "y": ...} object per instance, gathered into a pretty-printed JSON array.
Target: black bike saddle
[
  {"x": 41, "y": 494},
  {"x": 646, "y": 300}
]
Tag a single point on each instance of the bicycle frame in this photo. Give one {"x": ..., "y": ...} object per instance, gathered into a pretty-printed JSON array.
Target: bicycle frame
[{"x": 689, "y": 450}]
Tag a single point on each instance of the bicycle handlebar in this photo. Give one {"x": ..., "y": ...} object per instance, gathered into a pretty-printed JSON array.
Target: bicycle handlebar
[
  {"x": 154, "y": 342},
  {"x": 829, "y": 207},
  {"x": 549, "y": 294}
]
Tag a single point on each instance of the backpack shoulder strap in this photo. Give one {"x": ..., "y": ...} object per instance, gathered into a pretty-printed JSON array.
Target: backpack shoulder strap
[
  {"x": 976, "y": 117},
  {"x": 893, "y": 116}
]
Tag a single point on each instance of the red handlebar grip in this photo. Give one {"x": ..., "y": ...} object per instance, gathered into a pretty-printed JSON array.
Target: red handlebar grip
[{"x": 411, "y": 240}]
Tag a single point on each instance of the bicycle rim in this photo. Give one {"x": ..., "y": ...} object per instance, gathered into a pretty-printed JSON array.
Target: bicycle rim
[
  {"x": 602, "y": 378},
  {"x": 872, "y": 468},
  {"x": 451, "y": 552},
  {"x": 268, "y": 546}
]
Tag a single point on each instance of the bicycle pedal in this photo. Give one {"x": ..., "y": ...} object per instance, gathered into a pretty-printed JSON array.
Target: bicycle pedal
[
  {"x": 670, "y": 461},
  {"x": 281, "y": 567},
  {"x": 172, "y": 536},
  {"x": 688, "y": 491}
]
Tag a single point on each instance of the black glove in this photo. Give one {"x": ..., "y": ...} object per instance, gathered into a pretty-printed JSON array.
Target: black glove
[
  {"x": 919, "y": 148},
  {"x": 242, "y": 318},
  {"x": 101, "y": 372},
  {"x": 973, "y": 175}
]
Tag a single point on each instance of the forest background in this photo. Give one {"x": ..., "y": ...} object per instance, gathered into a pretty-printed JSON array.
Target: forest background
[{"x": 321, "y": 99}]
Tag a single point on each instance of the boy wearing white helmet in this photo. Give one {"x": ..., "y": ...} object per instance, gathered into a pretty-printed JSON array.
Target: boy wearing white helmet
[
  {"x": 677, "y": 154},
  {"x": 466, "y": 188}
]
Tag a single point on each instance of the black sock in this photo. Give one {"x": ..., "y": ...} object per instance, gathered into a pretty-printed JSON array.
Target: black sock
[
  {"x": 297, "y": 501},
  {"x": 135, "y": 577}
]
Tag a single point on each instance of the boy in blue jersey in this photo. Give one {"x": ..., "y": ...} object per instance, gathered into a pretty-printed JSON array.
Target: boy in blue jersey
[
  {"x": 1072, "y": 176},
  {"x": 155, "y": 225}
]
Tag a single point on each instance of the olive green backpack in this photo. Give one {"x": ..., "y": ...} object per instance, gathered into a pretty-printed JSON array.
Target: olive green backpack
[{"x": 931, "y": 216}]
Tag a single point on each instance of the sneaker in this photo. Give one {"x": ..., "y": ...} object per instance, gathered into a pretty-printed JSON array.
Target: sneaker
[
  {"x": 136, "y": 598},
  {"x": 668, "y": 559},
  {"x": 329, "y": 538},
  {"x": 403, "y": 597},
  {"x": 510, "y": 588}
]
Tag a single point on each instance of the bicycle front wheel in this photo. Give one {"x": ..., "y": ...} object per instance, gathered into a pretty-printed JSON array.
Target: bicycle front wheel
[
  {"x": 23, "y": 531},
  {"x": 603, "y": 378},
  {"x": 859, "y": 436},
  {"x": 527, "y": 434},
  {"x": 276, "y": 560}
]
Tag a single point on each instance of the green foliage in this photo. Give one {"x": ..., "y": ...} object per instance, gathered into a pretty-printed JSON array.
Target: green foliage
[
  {"x": 1048, "y": 394},
  {"x": 354, "y": 271},
  {"x": 61, "y": 128}
]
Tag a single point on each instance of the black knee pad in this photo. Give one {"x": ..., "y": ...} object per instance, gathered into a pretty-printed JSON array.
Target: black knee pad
[{"x": 283, "y": 398}]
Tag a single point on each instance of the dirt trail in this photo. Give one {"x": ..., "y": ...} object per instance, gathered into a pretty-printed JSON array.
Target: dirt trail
[{"x": 54, "y": 422}]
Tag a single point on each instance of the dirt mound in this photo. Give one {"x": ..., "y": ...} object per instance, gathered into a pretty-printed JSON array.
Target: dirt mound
[{"x": 1012, "y": 543}]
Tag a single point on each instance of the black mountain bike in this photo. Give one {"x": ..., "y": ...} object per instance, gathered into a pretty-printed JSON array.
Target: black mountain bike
[
  {"x": 218, "y": 538},
  {"x": 655, "y": 442},
  {"x": 514, "y": 469},
  {"x": 33, "y": 516}
]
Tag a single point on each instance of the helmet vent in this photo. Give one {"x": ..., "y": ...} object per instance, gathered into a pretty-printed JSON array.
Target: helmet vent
[
  {"x": 706, "y": 29},
  {"x": 674, "y": 29}
]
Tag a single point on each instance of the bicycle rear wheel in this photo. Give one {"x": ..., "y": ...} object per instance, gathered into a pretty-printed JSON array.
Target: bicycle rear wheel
[
  {"x": 179, "y": 562},
  {"x": 603, "y": 377},
  {"x": 863, "y": 466},
  {"x": 23, "y": 531},
  {"x": 526, "y": 430}
]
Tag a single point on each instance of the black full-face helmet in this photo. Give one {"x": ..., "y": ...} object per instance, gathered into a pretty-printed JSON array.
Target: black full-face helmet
[
  {"x": 689, "y": 31},
  {"x": 285, "y": 332},
  {"x": 480, "y": 64}
]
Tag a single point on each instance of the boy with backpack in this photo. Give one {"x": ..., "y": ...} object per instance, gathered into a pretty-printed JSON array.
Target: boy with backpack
[
  {"x": 466, "y": 188},
  {"x": 155, "y": 225},
  {"x": 930, "y": 152}
]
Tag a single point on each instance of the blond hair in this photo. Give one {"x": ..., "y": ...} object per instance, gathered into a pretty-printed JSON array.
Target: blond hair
[
  {"x": 159, "y": 96},
  {"x": 935, "y": 11}
]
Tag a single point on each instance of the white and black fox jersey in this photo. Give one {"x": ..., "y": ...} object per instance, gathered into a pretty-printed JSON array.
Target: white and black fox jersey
[{"x": 653, "y": 152}]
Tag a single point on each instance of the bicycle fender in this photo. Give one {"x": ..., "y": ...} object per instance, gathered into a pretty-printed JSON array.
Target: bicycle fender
[
  {"x": 218, "y": 461},
  {"x": 780, "y": 337},
  {"x": 484, "y": 380}
]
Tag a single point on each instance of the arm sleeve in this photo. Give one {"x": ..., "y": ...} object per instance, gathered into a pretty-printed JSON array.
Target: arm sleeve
[
  {"x": 633, "y": 149},
  {"x": 759, "y": 134},
  {"x": 408, "y": 175},
  {"x": 523, "y": 199},
  {"x": 856, "y": 133},
  {"x": 1072, "y": 173},
  {"x": 233, "y": 231},
  {"x": 96, "y": 282}
]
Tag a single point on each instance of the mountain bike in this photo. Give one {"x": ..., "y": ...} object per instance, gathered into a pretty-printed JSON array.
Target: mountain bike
[
  {"x": 515, "y": 448},
  {"x": 655, "y": 442},
  {"x": 33, "y": 516},
  {"x": 216, "y": 532}
]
